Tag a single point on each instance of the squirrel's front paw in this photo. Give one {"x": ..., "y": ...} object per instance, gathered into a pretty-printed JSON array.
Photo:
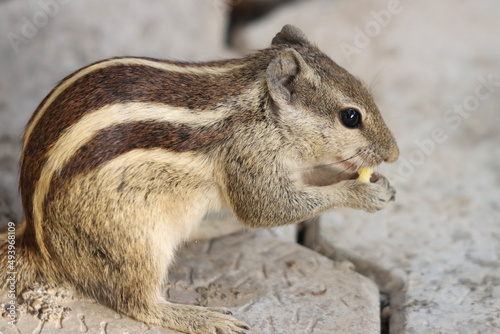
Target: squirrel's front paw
[{"x": 372, "y": 197}]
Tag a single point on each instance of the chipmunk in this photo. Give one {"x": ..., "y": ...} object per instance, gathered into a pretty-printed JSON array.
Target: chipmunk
[{"x": 123, "y": 159}]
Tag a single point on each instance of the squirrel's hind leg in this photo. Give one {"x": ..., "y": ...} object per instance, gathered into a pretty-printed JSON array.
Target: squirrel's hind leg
[
  {"x": 118, "y": 244},
  {"x": 137, "y": 294},
  {"x": 185, "y": 318},
  {"x": 129, "y": 279}
]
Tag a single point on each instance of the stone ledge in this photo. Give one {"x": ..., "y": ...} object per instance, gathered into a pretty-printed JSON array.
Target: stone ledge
[{"x": 274, "y": 286}]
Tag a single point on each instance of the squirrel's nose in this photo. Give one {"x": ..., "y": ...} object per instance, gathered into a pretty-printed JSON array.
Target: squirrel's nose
[{"x": 392, "y": 153}]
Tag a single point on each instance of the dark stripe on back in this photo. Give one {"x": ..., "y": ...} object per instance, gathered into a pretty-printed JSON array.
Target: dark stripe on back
[
  {"x": 122, "y": 138},
  {"x": 120, "y": 84},
  {"x": 111, "y": 142}
]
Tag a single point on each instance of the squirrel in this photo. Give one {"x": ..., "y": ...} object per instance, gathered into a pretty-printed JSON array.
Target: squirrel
[{"x": 124, "y": 157}]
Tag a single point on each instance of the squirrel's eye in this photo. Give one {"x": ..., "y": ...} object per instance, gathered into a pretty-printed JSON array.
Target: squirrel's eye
[{"x": 351, "y": 118}]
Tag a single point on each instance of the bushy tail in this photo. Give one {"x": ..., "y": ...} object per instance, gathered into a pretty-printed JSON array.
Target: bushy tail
[{"x": 18, "y": 262}]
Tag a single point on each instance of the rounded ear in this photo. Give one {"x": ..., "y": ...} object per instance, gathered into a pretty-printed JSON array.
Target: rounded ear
[
  {"x": 284, "y": 71},
  {"x": 290, "y": 34}
]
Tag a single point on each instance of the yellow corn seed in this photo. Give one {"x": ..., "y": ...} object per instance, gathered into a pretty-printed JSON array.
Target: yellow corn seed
[{"x": 365, "y": 173}]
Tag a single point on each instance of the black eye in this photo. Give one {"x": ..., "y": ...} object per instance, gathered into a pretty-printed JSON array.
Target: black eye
[{"x": 351, "y": 118}]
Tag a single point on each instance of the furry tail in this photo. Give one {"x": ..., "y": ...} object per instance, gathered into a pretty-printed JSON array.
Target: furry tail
[{"x": 18, "y": 263}]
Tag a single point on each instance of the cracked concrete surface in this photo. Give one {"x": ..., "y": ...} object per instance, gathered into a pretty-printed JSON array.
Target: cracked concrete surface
[{"x": 272, "y": 285}]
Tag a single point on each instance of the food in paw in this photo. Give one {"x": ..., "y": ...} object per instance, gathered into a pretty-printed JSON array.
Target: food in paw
[{"x": 365, "y": 173}]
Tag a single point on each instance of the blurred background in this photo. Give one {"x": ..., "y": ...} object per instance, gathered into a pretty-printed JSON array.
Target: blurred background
[{"x": 433, "y": 67}]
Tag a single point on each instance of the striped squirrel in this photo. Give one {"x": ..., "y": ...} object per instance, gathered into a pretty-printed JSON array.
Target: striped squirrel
[{"x": 124, "y": 157}]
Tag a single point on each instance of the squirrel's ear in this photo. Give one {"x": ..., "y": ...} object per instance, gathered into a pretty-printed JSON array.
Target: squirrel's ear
[
  {"x": 290, "y": 35},
  {"x": 284, "y": 71}
]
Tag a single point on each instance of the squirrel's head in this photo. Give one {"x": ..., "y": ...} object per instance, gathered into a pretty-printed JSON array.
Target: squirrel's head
[{"x": 329, "y": 112}]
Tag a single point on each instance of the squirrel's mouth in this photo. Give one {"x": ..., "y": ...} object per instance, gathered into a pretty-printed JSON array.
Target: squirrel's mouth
[
  {"x": 325, "y": 175},
  {"x": 348, "y": 167}
]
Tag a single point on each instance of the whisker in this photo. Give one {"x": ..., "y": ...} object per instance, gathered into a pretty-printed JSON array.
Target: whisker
[
  {"x": 332, "y": 163},
  {"x": 363, "y": 162},
  {"x": 374, "y": 80}
]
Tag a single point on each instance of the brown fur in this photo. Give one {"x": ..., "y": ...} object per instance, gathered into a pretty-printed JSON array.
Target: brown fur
[
  {"x": 118, "y": 84},
  {"x": 116, "y": 140},
  {"x": 123, "y": 159}
]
